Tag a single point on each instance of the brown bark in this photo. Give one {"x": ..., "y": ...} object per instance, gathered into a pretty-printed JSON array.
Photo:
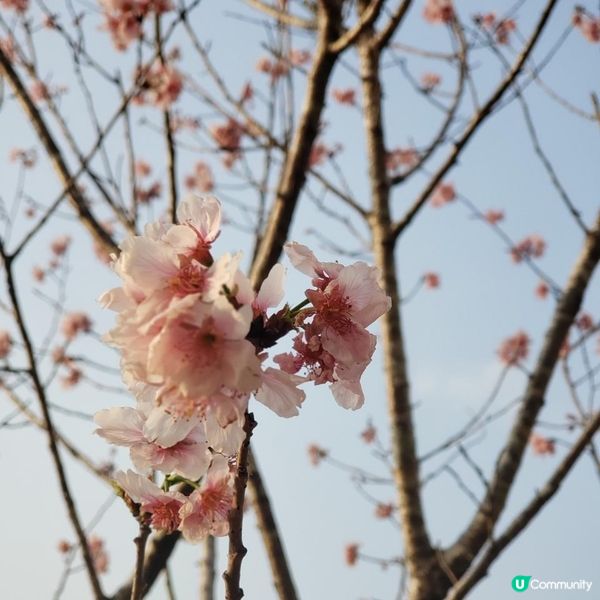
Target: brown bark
[{"x": 420, "y": 556}]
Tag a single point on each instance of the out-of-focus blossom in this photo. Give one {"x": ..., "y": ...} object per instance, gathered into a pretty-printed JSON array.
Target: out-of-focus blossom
[
  {"x": 400, "y": 158},
  {"x": 384, "y": 510},
  {"x": 584, "y": 321},
  {"x": 71, "y": 378},
  {"x": 501, "y": 29},
  {"x": 201, "y": 179},
  {"x": 228, "y": 137},
  {"x": 493, "y": 217},
  {"x": 514, "y": 349},
  {"x": 299, "y": 58},
  {"x": 145, "y": 195},
  {"x": 316, "y": 454},
  {"x": 38, "y": 274},
  {"x": 60, "y": 244},
  {"x": 27, "y": 158},
  {"x": 431, "y": 280},
  {"x": 320, "y": 153},
  {"x": 443, "y": 194},
  {"x": 75, "y": 323},
  {"x": 438, "y": 11},
  {"x": 369, "y": 434},
  {"x": 429, "y": 81},
  {"x": 533, "y": 246},
  {"x": 142, "y": 168},
  {"x": 99, "y": 554},
  {"x": 346, "y": 96},
  {"x": 6, "y": 343},
  {"x": 541, "y": 445},
  {"x": 160, "y": 85},
  {"x": 19, "y": 6},
  {"x": 351, "y": 554},
  {"x": 124, "y": 19},
  {"x": 542, "y": 290},
  {"x": 587, "y": 24}
]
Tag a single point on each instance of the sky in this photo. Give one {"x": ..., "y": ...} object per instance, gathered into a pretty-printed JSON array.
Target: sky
[{"x": 451, "y": 334}]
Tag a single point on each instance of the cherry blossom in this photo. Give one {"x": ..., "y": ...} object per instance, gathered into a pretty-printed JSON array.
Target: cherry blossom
[
  {"x": 541, "y": 445},
  {"x": 316, "y": 454},
  {"x": 399, "y": 158},
  {"x": 514, "y": 349},
  {"x": 27, "y": 158},
  {"x": 345, "y": 96},
  {"x": 98, "y": 553},
  {"x": 163, "y": 507},
  {"x": 195, "y": 339},
  {"x": 201, "y": 180},
  {"x": 75, "y": 323},
  {"x": 429, "y": 81},
  {"x": 206, "y": 510},
  {"x": 369, "y": 434},
  {"x": 19, "y": 6},
  {"x": 443, "y": 194},
  {"x": 542, "y": 290},
  {"x": 431, "y": 280},
  {"x": 438, "y": 11},
  {"x": 6, "y": 343},
  {"x": 161, "y": 84},
  {"x": 533, "y": 246},
  {"x": 351, "y": 554},
  {"x": 584, "y": 321},
  {"x": 184, "y": 451},
  {"x": 60, "y": 245},
  {"x": 587, "y": 24},
  {"x": 493, "y": 217}
]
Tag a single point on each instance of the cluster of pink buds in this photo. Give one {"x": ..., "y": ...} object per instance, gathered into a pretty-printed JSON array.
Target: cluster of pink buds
[
  {"x": 124, "y": 19},
  {"x": 195, "y": 339}
]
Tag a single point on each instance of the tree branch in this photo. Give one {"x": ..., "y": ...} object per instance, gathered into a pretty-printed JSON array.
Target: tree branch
[
  {"x": 522, "y": 520},
  {"x": 461, "y": 553},
  {"x": 481, "y": 115}
]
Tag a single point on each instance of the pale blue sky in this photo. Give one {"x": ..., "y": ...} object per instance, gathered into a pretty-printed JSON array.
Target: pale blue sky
[{"x": 451, "y": 334}]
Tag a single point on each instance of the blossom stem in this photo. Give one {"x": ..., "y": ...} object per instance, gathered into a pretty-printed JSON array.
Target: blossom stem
[{"x": 292, "y": 312}]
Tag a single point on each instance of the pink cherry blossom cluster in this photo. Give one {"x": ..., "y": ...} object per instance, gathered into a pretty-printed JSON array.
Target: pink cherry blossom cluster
[
  {"x": 587, "y": 24},
  {"x": 27, "y": 158},
  {"x": 541, "y": 445},
  {"x": 6, "y": 343},
  {"x": 160, "y": 84},
  {"x": 400, "y": 158},
  {"x": 514, "y": 349},
  {"x": 333, "y": 345},
  {"x": 124, "y": 19},
  {"x": 533, "y": 246},
  {"x": 201, "y": 179},
  {"x": 346, "y": 96},
  {"x": 438, "y": 11},
  {"x": 443, "y": 194},
  {"x": 429, "y": 81},
  {"x": 228, "y": 136},
  {"x": 19, "y": 6},
  {"x": 145, "y": 192},
  {"x": 194, "y": 338},
  {"x": 500, "y": 28}
]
